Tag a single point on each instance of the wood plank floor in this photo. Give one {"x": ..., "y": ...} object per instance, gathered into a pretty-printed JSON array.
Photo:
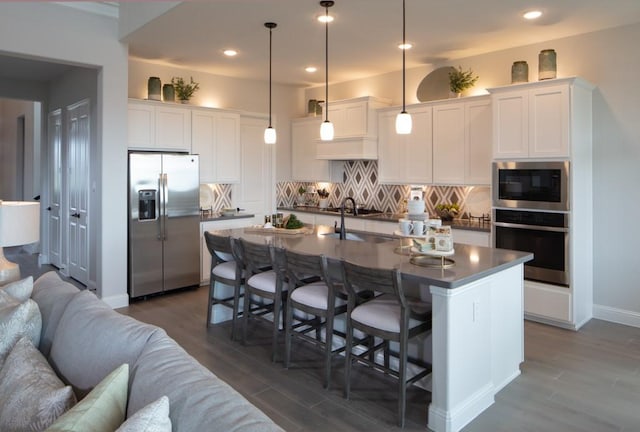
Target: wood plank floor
[
  {"x": 585, "y": 381},
  {"x": 571, "y": 381}
]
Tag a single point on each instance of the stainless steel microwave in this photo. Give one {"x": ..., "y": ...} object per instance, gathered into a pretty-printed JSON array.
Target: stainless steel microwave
[{"x": 531, "y": 185}]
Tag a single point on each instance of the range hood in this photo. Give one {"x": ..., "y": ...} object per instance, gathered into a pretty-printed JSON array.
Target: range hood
[
  {"x": 356, "y": 130},
  {"x": 365, "y": 148}
]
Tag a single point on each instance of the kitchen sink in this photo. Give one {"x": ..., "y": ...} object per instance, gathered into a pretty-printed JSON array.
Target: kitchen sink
[{"x": 363, "y": 237}]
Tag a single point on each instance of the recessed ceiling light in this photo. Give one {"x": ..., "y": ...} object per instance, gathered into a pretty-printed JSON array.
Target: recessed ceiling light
[
  {"x": 325, "y": 18},
  {"x": 405, "y": 46},
  {"x": 311, "y": 69},
  {"x": 531, "y": 15},
  {"x": 230, "y": 52}
]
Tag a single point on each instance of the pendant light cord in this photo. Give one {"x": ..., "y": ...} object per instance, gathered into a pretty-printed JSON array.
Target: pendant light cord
[
  {"x": 270, "y": 44},
  {"x": 404, "y": 49},
  {"x": 326, "y": 64}
]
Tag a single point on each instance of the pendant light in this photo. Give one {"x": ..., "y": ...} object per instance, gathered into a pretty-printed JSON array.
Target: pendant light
[
  {"x": 326, "y": 129},
  {"x": 403, "y": 120},
  {"x": 270, "y": 132}
]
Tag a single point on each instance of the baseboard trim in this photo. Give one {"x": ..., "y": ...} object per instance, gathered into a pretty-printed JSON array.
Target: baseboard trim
[
  {"x": 117, "y": 301},
  {"x": 620, "y": 316},
  {"x": 462, "y": 414}
]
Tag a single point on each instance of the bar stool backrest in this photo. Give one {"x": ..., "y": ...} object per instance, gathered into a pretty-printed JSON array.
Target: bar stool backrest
[
  {"x": 256, "y": 257},
  {"x": 301, "y": 266},
  {"x": 358, "y": 278}
]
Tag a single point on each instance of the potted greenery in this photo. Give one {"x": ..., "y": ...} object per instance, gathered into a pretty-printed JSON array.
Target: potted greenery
[
  {"x": 184, "y": 90},
  {"x": 324, "y": 198},
  {"x": 460, "y": 80}
]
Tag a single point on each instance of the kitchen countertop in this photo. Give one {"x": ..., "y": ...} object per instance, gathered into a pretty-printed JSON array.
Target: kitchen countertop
[
  {"x": 471, "y": 262},
  {"x": 216, "y": 216},
  {"x": 464, "y": 224}
]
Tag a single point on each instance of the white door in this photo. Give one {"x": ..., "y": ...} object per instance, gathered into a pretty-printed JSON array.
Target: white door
[
  {"x": 55, "y": 184},
  {"x": 78, "y": 189}
]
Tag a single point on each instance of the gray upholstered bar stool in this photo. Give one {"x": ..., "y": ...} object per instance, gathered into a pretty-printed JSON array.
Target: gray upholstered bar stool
[
  {"x": 313, "y": 291},
  {"x": 227, "y": 270},
  {"x": 263, "y": 281},
  {"x": 390, "y": 316}
]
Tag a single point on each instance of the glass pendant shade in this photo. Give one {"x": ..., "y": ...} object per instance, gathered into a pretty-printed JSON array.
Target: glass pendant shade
[
  {"x": 270, "y": 135},
  {"x": 326, "y": 131},
  {"x": 403, "y": 123}
]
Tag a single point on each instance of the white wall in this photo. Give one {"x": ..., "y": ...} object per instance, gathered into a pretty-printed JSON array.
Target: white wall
[
  {"x": 610, "y": 60},
  {"x": 232, "y": 93},
  {"x": 55, "y": 33},
  {"x": 10, "y": 111}
]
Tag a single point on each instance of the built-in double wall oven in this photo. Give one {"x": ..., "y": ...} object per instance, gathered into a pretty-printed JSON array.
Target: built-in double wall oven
[{"x": 531, "y": 213}]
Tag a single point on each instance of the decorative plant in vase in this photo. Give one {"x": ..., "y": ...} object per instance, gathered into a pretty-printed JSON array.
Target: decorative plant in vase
[
  {"x": 184, "y": 90},
  {"x": 324, "y": 198},
  {"x": 460, "y": 80},
  {"x": 301, "y": 199}
]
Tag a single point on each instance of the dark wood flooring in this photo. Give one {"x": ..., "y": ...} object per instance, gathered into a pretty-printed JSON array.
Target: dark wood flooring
[{"x": 585, "y": 381}]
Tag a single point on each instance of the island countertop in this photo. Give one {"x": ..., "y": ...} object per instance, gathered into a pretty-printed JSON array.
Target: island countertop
[{"x": 471, "y": 262}]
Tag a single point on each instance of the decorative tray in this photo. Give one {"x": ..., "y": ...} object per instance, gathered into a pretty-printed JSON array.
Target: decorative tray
[
  {"x": 262, "y": 230},
  {"x": 399, "y": 234},
  {"x": 434, "y": 253}
]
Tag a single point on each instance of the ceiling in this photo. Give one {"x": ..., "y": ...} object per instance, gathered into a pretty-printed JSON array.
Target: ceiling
[{"x": 363, "y": 38}]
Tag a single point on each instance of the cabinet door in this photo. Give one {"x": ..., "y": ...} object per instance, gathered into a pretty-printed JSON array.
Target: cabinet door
[
  {"x": 418, "y": 166},
  {"x": 392, "y": 149},
  {"x": 478, "y": 134},
  {"x": 227, "y": 147},
  {"x": 448, "y": 144},
  {"x": 349, "y": 118},
  {"x": 173, "y": 128},
  {"x": 511, "y": 125},
  {"x": 141, "y": 132},
  {"x": 549, "y": 122},
  {"x": 405, "y": 158},
  {"x": 304, "y": 166},
  {"x": 203, "y": 132}
]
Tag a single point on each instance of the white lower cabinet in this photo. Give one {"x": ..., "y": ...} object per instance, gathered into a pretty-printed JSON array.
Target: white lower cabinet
[
  {"x": 469, "y": 237},
  {"x": 205, "y": 256}
]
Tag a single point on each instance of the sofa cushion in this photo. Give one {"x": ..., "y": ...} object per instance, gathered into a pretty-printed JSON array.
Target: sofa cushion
[
  {"x": 31, "y": 395},
  {"x": 152, "y": 418},
  {"x": 91, "y": 340},
  {"x": 17, "y": 319},
  {"x": 52, "y": 295},
  {"x": 20, "y": 290},
  {"x": 198, "y": 398},
  {"x": 102, "y": 410}
]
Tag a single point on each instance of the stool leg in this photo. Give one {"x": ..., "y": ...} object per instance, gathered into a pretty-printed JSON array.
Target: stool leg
[
  {"x": 277, "y": 307},
  {"x": 287, "y": 332},
  {"x": 210, "y": 301},
  {"x": 246, "y": 314},
  {"x": 347, "y": 359},
  {"x": 328, "y": 349},
  {"x": 236, "y": 307}
]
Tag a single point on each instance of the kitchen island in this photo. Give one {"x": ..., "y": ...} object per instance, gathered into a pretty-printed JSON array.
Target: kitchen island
[{"x": 477, "y": 341}]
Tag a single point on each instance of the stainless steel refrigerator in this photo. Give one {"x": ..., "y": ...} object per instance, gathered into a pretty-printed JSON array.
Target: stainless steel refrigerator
[{"x": 164, "y": 218}]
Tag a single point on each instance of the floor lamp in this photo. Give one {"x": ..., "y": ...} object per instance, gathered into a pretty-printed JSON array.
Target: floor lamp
[{"x": 19, "y": 225}]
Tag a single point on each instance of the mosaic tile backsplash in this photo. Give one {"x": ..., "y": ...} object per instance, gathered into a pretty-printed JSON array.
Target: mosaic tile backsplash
[{"x": 361, "y": 183}]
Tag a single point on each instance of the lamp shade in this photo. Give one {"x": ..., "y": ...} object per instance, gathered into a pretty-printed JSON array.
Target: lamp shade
[
  {"x": 270, "y": 135},
  {"x": 326, "y": 131},
  {"x": 19, "y": 223},
  {"x": 403, "y": 123}
]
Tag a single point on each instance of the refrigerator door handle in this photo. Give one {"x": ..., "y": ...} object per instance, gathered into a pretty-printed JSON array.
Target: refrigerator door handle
[
  {"x": 160, "y": 206},
  {"x": 165, "y": 202}
]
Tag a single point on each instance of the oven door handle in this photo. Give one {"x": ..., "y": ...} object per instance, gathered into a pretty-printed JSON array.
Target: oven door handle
[{"x": 531, "y": 227}]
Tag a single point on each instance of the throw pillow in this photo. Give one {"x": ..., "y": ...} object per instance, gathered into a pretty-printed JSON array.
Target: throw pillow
[
  {"x": 102, "y": 410},
  {"x": 31, "y": 395},
  {"x": 17, "y": 320},
  {"x": 20, "y": 290},
  {"x": 152, "y": 418}
]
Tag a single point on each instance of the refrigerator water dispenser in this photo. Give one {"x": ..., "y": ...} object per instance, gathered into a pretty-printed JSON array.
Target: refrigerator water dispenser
[{"x": 147, "y": 204}]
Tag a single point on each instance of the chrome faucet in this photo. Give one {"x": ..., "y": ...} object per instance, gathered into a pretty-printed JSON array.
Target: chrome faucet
[{"x": 343, "y": 231}]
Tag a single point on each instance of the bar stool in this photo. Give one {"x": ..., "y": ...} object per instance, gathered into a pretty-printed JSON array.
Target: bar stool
[
  {"x": 391, "y": 317},
  {"x": 262, "y": 280},
  {"x": 227, "y": 270}
]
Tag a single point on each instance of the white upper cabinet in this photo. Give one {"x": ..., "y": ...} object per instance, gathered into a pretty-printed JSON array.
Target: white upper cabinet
[
  {"x": 450, "y": 144},
  {"x": 405, "y": 158},
  {"x": 216, "y": 138},
  {"x": 533, "y": 120},
  {"x": 355, "y": 124},
  {"x": 305, "y": 166},
  {"x": 158, "y": 126}
]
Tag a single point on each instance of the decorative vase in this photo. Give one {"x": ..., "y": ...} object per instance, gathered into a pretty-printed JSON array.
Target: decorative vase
[
  {"x": 154, "y": 87},
  {"x": 184, "y": 101},
  {"x": 519, "y": 72},
  {"x": 323, "y": 203},
  {"x": 168, "y": 93},
  {"x": 546, "y": 64}
]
